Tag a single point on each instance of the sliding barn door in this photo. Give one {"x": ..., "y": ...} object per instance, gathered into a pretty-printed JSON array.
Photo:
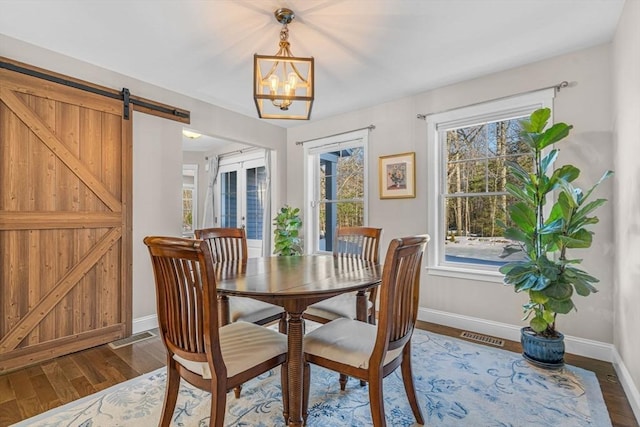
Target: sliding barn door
[{"x": 65, "y": 220}]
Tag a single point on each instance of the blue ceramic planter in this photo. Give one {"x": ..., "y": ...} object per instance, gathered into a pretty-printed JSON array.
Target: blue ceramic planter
[{"x": 540, "y": 351}]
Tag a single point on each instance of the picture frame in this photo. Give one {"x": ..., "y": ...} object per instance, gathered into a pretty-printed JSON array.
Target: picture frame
[{"x": 397, "y": 175}]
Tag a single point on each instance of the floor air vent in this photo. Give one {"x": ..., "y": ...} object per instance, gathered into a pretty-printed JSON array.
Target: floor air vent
[
  {"x": 483, "y": 338},
  {"x": 132, "y": 339}
]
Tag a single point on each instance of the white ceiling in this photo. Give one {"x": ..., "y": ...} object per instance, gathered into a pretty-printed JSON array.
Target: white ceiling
[{"x": 366, "y": 51}]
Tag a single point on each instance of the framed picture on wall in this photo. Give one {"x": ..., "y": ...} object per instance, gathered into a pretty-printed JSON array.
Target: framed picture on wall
[{"x": 397, "y": 174}]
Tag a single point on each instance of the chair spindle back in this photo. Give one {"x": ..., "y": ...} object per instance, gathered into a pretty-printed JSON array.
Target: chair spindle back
[{"x": 225, "y": 243}]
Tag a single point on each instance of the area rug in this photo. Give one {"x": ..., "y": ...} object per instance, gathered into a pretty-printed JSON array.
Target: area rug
[{"x": 458, "y": 384}]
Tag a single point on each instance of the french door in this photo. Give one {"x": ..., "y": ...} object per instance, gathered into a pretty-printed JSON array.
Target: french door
[{"x": 242, "y": 190}]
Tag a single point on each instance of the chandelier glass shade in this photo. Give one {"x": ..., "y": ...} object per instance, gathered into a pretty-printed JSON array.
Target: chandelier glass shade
[{"x": 283, "y": 83}]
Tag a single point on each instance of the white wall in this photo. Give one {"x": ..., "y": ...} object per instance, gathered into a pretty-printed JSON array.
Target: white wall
[
  {"x": 157, "y": 145},
  {"x": 626, "y": 118},
  {"x": 586, "y": 105},
  {"x": 156, "y": 209}
]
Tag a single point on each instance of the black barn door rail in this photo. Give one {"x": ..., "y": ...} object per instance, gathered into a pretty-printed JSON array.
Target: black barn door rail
[{"x": 124, "y": 95}]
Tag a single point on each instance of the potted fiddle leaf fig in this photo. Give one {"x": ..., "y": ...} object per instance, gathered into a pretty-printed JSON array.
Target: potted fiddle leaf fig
[
  {"x": 287, "y": 223},
  {"x": 549, "y": 219}
]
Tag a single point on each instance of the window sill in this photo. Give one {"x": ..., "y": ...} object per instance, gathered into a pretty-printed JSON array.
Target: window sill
[{"x": 465, "y": 273}]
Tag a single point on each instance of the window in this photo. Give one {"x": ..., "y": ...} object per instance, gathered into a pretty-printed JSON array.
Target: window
[
  {"x": 470, "y": 147},
  {"x": 242, "y": 186},
  {"x": 189, "y": 198},
  {"x": 336, "y": 176}
]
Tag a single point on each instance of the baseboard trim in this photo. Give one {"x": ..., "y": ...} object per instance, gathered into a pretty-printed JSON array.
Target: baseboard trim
[
  {"x": 630, "y": 389},
  {"x": 145, "y": 323},
  {"x": 574, "y": 345}
]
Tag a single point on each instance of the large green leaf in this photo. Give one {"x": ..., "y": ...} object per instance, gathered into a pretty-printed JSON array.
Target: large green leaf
[
  {"x": 520, "y": 193},
  {"x": 558, "y": 290},
  {"x": 552, "y": 227},
  {"x": 553, "y": 134},
  {"x": 580, "y": 239},
  {"x": 518, "y": 171},
  {"x": 541, "y": 282},
  {"x": 537, "y": 120},
  {"x": 549, "y": 159},
  {"x": 538, "y": 297},
  {"x": 567, "y": 173},
  {"x": 585, "y": 210},
  {"x": 538, "y": 324},
  {"x": 523, "y": 216},
  {"x": 560, "y": 306},
  {"x": 516, "y": 234}
]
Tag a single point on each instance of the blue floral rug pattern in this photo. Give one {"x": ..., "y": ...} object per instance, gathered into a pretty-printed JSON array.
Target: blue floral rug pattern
[{"x": 458, "y": 384}]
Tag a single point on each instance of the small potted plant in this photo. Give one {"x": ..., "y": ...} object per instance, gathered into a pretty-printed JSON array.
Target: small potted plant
[
  {"x": 545, "y": 235},
  {"x": 286, "y": 233}
]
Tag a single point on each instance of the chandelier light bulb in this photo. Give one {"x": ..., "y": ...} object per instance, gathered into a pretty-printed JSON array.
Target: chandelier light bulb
[{"x": 274, "y": 82}]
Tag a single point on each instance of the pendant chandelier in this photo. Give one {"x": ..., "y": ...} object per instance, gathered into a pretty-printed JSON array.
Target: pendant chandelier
[{"x": 283, "y": 83}]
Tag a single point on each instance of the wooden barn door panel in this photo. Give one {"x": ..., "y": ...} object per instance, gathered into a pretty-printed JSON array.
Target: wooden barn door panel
[{"x": 65, "y": 220}]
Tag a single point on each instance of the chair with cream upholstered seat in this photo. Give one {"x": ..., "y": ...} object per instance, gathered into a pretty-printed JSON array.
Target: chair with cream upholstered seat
[
  {"x": 211, "y": 357},
  {"x": 357, "y": 243},
  {"x": 370, "y": 352},
  {"x": 352, "y": 242}
]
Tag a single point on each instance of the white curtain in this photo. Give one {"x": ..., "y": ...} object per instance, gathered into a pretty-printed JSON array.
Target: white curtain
[
  {"x": 266, "y": 217},
  {"x": 208, "y": 218}
]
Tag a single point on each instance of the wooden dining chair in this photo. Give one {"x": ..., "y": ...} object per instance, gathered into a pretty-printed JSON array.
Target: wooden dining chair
[
  {"x": 371, "y": 352},
  {"x": 230, "y": 245},
  {"x": 211, "y": 357},
  {"x": 352, "y": 242}
]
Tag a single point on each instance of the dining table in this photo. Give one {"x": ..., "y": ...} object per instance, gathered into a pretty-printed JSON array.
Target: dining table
[{"x": 294, "y": 283}]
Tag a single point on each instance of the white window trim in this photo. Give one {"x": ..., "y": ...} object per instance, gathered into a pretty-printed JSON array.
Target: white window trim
[
  {"x": 466, "y": 116},
  {"x": 345, "y": 140}
]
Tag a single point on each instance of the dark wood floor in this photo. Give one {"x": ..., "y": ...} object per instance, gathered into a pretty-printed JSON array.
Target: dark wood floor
[{"x": 36, "y": 389}]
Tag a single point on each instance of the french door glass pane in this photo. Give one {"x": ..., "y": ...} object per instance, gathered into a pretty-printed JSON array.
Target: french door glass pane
[
  {"x": 187, "y": 209},
  {"x": 229, "y": 199},
  {"x": 341, "y": 191},
  {"x": 256, "y": 188}
]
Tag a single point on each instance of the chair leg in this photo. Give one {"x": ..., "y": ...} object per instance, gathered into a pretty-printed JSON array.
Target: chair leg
[
  {"x": 282, "y": 324},
  {"x": 236, "y": 391},
  {"x": 171, "y": 393},
  {"x": 343, "y": 381},
  {"x": 376, "y": 400},
  {"x": 218, "y": 404},
  {"x": 407, "y": 379},
  {"x": 305, "y": 391},
  {"x": 284, "y": 381}
]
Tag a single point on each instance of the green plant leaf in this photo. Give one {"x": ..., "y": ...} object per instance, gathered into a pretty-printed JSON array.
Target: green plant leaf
[
  {"x": 515, "y": 234},
  {"x": 538, "y": 324},
  {"x": 553, "y": 134},
  {"x": 549, "y": 159},
  {"x": 580, "y": 239},
  {"x": 549, "y": 316},
  {"x": 558, "y": 290},
  {"x": 585, "y": 210},
  {"x": 552, "y": 227},
  {"x": 566, "y": 173},
  {"x": 537, "y": 120},
  {"x": 560, "y": 306},
  {"x": 523, "y": 215},
  {"x": 521, "y": 193},
  {"x": 518, "y": 172},
  {"x": 538, "y": 297}
]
